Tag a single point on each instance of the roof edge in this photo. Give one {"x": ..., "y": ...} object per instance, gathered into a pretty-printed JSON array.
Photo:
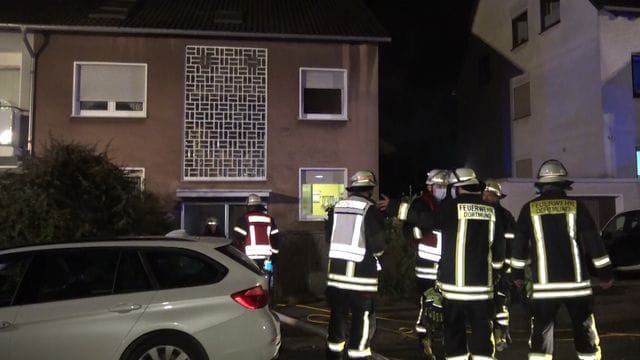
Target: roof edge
[{"x": 196, "y": 33}]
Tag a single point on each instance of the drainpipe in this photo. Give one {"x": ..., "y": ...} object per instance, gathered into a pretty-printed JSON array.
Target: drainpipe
[{"x": 32, "y": 88}]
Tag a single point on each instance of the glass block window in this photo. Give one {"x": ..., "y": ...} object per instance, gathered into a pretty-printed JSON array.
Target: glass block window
[
  {"x": 225, "y": 126},
  {"x": 320, "y": 189}
]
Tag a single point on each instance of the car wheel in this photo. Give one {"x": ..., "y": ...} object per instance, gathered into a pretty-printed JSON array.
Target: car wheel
[{"x": 165, "y": 346}]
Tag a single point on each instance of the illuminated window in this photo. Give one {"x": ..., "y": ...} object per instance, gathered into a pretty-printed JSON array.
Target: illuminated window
[
  {"x": 319, "y": 190},
  {"x": 323, "y": 94},
  {"x": 520, "y": 29},
  {"x": 638, "y": 161},
  {"x": 109, "y": 89},
  {"x": 549, "y": 13}
]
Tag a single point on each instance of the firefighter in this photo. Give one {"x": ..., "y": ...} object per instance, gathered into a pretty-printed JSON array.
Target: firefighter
[
  {"x": 357, "y": 241},
  {"x": 419, "y": 229},
  {"x": 558, "y": 236},
  {"x": 472, "y": 248},
  {"x": 256, "y": 232},
  {"x": 502, "y": 280}
]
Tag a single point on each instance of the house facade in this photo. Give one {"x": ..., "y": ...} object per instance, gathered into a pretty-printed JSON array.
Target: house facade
[
  {"x": 561, "y": 72},
  {"x": 204, "y": 101}
]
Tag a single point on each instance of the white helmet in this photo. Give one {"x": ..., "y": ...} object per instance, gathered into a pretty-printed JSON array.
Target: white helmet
[
  {"x": 437, "y": 177},
  {"x": 492, "y": 185},
  {"x": 253, "y": 199},
  {"x": 362, "y": 179},
  {"x": 552, "y": 171},
  {"x": 463, "y": 176}
]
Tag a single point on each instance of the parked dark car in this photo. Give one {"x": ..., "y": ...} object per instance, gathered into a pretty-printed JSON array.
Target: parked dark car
[{"x": 621, "y": 235}]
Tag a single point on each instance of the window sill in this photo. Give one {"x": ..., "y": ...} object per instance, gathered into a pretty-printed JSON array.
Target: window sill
[
  {"x": 519, "y": 46},
  {"x": 549, "y": 27},
  {"x": 107, "y": 117},
  {"x": 323, "y": 118}
]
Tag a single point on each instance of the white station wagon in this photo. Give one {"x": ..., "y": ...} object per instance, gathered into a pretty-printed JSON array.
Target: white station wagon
[{"x": 155, "y": 298}]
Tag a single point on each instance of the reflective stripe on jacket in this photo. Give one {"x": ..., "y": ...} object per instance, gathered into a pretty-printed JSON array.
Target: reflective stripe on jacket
[
  {"x": 258, "y": 237},
  {"x": 558, "y": 235},
  {"x": 347, "y": 235}
]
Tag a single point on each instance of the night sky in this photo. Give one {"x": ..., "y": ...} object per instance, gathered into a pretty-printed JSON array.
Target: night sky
[{"x": 418, "y": 76}]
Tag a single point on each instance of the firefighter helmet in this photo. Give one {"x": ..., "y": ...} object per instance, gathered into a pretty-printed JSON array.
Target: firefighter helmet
[
  {"x": 492, "y": 185},
  {"x": 438, "y": 177},
  {"x": 463, "y": 177},
  {"x": 362, "y": 179},
  {"x": 253, "y": 199},
  {"x": 552, "y": 171}
]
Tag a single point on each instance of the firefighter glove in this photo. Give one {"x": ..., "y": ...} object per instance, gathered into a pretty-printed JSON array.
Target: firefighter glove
[{"x": 433, "y": 299}]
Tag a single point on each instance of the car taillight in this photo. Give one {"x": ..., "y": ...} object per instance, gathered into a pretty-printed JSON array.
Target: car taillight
[{"x": 253, "y": 298}]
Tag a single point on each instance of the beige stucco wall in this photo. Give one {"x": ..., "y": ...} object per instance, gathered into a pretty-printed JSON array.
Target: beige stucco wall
[
  {"x": 562, "y": 65},
  {"x": 155, "y": 142}
]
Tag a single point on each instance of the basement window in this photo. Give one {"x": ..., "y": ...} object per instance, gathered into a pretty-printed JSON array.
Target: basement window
[
  {"x": 323, "y": 94},
  {"x": 109, "y": 89}
]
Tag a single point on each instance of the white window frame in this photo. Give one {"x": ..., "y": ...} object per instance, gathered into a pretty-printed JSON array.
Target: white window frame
[
  {"x": 135, "y": 172},
  {"x": 301, "y": 215},
  {"x": 314, "y": 116},
  {"x": 111, "y": 109}
]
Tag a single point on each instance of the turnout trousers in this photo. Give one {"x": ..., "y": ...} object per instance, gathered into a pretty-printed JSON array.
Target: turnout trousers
[
  {"x": 585, "y": 335},
  {"x": 361, "y": 305},
  {"x": 422, "y": 324},
  {"x": 478, "y": 314}
]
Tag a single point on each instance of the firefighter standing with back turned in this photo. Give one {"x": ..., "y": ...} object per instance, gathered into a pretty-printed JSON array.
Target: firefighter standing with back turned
[
  {"x": 472, "y": 248},
  {"x": 418, "y": 228},
  {"x": 502, "y": 280},
  {"x": 357, "y": 239},
  {"x": 557, "y": 234},
  {"x": 257, "y": 233}
]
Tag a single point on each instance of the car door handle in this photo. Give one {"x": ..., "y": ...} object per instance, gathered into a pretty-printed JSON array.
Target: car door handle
[
  {"x": 4, "y": 324},
  {"x": 125, "y": 308}
]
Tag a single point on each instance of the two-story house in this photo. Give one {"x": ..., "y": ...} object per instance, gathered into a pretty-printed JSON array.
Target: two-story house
[
  {"x": 207, "y": 101},
  {"x": 554, "y": 79}
]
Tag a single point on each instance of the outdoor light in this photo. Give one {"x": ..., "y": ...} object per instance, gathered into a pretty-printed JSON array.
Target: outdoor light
[
  {"x": 5, "y": 137},
  {"x": 319, "y": 176}
]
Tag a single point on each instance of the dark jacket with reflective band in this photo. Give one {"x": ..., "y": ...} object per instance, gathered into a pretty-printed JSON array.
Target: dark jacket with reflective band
[
  {"x": 351, "y": 268},
  {"x": 259, "y": 234},
  {"x": 559, "y": 236},
  {"x": 473, "y": 245},
  {"x": 509, "y": 229},
  {"x": 419, "y": 227}
]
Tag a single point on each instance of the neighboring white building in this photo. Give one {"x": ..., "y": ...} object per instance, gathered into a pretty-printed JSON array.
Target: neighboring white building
[{"x": 574, "y": 97}]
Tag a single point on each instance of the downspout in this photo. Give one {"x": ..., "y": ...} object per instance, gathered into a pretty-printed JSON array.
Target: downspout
[{"x": 32, "y": 88}]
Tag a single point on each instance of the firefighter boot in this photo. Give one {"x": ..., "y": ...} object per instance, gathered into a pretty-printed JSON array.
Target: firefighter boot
[
  {"x": 502, "y": 337},
  {"x": 426, "y": 348}
]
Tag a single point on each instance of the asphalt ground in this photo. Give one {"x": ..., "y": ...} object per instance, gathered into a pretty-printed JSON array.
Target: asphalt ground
[{"x": 617, "y": 315}]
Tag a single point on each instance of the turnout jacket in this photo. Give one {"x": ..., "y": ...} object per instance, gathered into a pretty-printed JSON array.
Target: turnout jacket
[
  {"x": 419, "y": 228},
  {"x": 472, "y": 247},
  {"x": 509, "y": 230},
  {"x": 258, "y": 234},
  {"x": 357, "y": 238},
  {"x": 559, "y": 237}
]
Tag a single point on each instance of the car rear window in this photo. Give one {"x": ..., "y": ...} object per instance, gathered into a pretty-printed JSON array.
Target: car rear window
[
  {"x": 240, "y": 258},
  {"x": 176, "y": 268}
]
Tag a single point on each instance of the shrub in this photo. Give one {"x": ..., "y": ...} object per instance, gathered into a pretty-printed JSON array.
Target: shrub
[{"x": 70, "y": 192}]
